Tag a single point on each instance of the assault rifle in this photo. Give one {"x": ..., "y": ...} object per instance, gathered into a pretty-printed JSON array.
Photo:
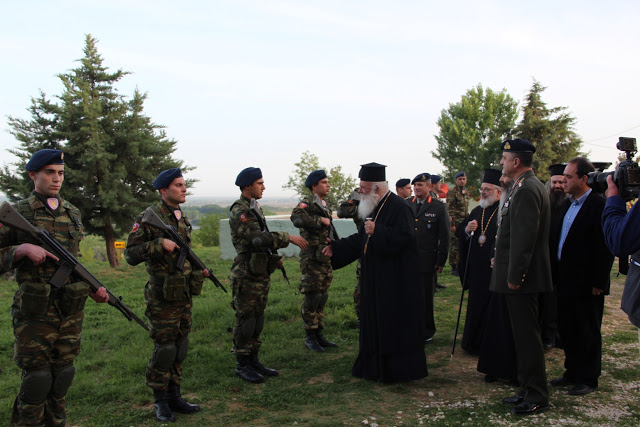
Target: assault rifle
[
  {"x": 67, "y": 264},
  {"x": 253, "y": 205},
  {"x": 152, "y": 219},
  {"x": 333, "y": 235}
]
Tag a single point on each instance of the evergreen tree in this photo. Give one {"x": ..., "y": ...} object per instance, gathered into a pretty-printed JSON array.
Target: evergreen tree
[
  {"x": 550, "y": 130},
  {"x": 113, "y": 152},
  {"x": 471, "y": 132}
]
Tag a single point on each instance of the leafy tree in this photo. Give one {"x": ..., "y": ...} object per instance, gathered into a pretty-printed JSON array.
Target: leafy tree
[
  {"x": 113, "y": 152},
  {"x": 341, "y": 185},
  {"x": 550, "y": 130},
  {"x": 471, "y": 132},
  {"x": 209, "y": 232}
]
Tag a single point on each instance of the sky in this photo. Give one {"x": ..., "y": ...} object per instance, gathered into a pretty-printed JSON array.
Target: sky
[{"x": 257, "y": 83}]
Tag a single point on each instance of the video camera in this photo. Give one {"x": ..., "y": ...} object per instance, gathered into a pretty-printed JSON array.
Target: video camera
[{"x": 626, "y": 175}]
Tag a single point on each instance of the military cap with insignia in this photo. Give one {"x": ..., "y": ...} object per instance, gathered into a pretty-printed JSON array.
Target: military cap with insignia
[
  {"x": 47, "y": 156},
  {"x": 461, "y": 173},
  {"x": 517, "y": 145},
  {"x": 492, "y": 176},
  {"x": 372, "y": 172},
  {"x": 423, "y": 177},
  {"x": 402, "y": 182},
  {"x": 435, "y": 178},
  {"x": 557, "y": 169},
  {"x": 314, "y": 177},
  {"x": 248, "y": 176},
  {"x": 165, "y": 178}
]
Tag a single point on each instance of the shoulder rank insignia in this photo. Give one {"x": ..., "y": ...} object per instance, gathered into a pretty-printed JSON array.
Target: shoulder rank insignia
[
  {"x": 178, "y": 214},
  {"x": 302, "y": 205},
  {"x": 243, "y": 217},
  {"x": 135, "y": 227}
]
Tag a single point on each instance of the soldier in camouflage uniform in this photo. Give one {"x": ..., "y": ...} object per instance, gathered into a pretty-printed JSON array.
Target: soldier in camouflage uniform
[
  {"x": 168, "y": 294},
  {"x": 250, "y": 273},
  {"x": 47, "y": 321},
  {"x": 458, "y": 206},
  {"x": 313, "y": 218},
  {"x": 349, "y": 209}
]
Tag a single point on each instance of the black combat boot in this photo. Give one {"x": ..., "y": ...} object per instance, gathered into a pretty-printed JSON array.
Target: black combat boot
[
  {"x": 323, "y": 341},
  {"x": 246, "y": 371},
  {"x": 177, "y": 402},
  {"x": 260, "y": 368},
  {"x": 311, "y": 341},
  {"x": 161, "y": 407}
]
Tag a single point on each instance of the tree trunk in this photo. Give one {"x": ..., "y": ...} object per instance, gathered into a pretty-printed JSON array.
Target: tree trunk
[{"x": 110, "y": 240}]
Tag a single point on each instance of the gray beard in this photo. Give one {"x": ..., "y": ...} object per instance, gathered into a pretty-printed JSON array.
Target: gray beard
[
  {"x": 505, "y": 195},
  {"x": 485, "y": 203},
  {"x": 368, "y": 203}
]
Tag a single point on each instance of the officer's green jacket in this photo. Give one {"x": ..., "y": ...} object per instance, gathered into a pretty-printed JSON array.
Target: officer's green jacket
[
  {"x": 522, "y": 243},
  {"x": 307, "y": 216}
]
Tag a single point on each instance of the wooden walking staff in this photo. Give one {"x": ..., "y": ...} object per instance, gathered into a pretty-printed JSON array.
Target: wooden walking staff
[{"x": 464, "y": 282}]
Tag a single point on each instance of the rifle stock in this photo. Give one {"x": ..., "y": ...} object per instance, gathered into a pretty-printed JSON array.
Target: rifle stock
[
  {"x": 67, "y": 264},
  {"x": 152, "y": 219}
]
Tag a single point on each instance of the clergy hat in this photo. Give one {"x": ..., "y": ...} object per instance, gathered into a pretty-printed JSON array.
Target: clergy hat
[
  {"x": 372, "y": 172},
  {"x": 248, "y": 176},
  {"x": 45, "y": 157},
  {"x": 166, "y": 178},
  {"x": 492, "y": 176},
  {"x": 517, "y": 145},
  {"x": 557, "y": 169},
  {"x": 423, "y": 177},
  {"x": 402, "y": 182},
  {"x": 461, "y": 173},
  {"x": 435, "y": 178},
  {"x": 314, "y": 177}
]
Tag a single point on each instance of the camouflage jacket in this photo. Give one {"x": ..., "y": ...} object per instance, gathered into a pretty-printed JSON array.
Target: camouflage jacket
[
  {"x": 307, "y": 216},
  {"x": 244, "y": 228},
  {"x": 145, "y": 243},
  {"x": 66, "y": 227},
  {"x": 349, "y": 209},
  {"x": 458, "y": 205}
]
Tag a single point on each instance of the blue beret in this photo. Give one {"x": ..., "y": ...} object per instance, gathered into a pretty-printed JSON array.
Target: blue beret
[
  {"x": 402, "y": 182},
  {"x": 166, "y": 178},
  {"x": 461, "y": 173},
  {"x": 372, "y": 172},
  {"x": 314, "y": 177},
  {"x": 45, "y": 157},
  {"x": 248, "y": 176},
  {"x": 435, "y": 179},
  {"x": 423, "y": 177},
  {"x": 518, "y": 145}
]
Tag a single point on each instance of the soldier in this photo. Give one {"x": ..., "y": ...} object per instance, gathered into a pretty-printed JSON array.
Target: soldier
[
  {"x": 313, "y": 218},
  {"x": 168, "y": 294},
  {"x": 458, "y": 205},
  {"x": 349, "y": 209},
  {"x": 403, "y": 188},
  {"x": 47, "y": 321},
  {"x": 250, "y": 273}
]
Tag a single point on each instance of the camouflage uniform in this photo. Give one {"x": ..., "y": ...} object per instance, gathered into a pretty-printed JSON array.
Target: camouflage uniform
[
  {"x": 168, "y": 294},
  {"x": 458, "y": 206},
  {"x": 47, "y": 323},
  {"x": 250, "y": 276},
  {"x": 349, "y": 209},
  {"x": 315, "y": 267}
]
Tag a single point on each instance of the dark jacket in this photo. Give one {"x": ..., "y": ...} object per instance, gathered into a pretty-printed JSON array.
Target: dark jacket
[{"x": 431, "y": 225}]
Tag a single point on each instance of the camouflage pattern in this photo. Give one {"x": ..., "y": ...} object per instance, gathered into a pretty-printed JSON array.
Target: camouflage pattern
[
  {"x": 315, "y": 267},
  {"x": 50, "y": 341},
  {"x": 170, "y": 321},
  {"x": 249, "y": 288},
  {"x": 349, "y": 209},
  {"x": 458, "y": 207}
]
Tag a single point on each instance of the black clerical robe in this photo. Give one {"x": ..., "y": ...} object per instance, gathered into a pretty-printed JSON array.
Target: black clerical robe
[{"x": 392, "y": 304}]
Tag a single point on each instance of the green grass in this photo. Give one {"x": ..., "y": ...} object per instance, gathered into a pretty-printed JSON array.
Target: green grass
[{"x": 312, "y": 389}]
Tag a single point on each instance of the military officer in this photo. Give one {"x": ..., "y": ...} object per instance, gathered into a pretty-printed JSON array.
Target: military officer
[
  {"x": 458, "y": 206},
  {"x": 168, "y": 294},
  {"x": 47, "y": 321},
  {"x": 403, "y": 188},
  {"x": 251, "y": 271},
  {"x": 313, "y": 217}
]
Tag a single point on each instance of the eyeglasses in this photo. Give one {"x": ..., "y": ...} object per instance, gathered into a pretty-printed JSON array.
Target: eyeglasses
[{"x": 486, "y": 189}]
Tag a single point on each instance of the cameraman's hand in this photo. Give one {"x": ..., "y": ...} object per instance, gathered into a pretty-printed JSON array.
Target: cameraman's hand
[{"x": 613, "y": 188}]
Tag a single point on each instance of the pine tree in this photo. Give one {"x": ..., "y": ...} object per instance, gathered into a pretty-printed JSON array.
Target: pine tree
[{"x": 113, "y": 152}]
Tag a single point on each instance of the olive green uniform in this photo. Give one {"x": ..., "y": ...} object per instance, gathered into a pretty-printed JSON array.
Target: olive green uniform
[
  {"x": 47, "y": 321},
  {"x": 458, "y": 207},
  {"x": 168, "y": 294},
  {"x": 250, "y": 275},
  {"x": 315, "y": 267}
]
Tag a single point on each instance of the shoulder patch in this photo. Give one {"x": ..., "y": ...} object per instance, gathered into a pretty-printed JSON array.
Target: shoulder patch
[
  {"x": 303, "y": 205},
  {"x": 135, "y": 227},
  {"x": 243, "y": 217}
]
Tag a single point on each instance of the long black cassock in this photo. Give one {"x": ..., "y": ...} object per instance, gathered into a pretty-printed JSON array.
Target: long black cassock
[
  {"x": 392, "y": 304},
  {"x": 487, "y": 328}
]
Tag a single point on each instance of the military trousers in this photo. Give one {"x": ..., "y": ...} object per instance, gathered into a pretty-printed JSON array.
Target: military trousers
[
  {"x": 314, "y": 285},
  {"x": 249, "y": 302}
]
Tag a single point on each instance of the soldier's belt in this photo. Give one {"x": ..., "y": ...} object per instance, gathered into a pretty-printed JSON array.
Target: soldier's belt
[{"x": 159, "y": 280}]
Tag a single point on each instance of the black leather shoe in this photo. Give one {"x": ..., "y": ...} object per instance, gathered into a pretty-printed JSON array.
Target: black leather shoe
[
  {"x": 528, "y": 408},
  {"x": 561, "y": 382},
  {"x": 428, "y": 340},
  {"x": 581, "y": 390},
  {"x": 441, "y": 286},
  {"x": 513, "y": 400}
]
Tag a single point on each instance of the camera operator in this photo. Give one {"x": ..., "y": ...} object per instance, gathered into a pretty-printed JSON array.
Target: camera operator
[{"x": 622, "y": 236}]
